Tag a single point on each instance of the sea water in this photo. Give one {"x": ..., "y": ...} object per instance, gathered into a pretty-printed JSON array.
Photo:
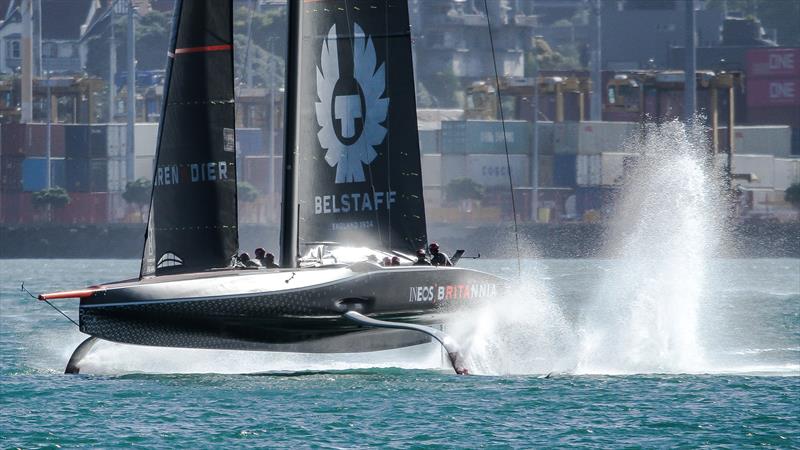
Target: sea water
[
  {"x": 744, "y": 392},
  {"x": 662, "y": 345}
]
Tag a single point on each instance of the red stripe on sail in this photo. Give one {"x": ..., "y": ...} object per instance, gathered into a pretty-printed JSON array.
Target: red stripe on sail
[{"x": 208, "y": 48}]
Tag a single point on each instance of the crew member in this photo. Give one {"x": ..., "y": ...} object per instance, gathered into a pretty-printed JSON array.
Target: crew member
[
  {"x": 386, "y": 261},
  {"x": 438, "y": 258},
  {"x": 421, "y": 260},
  {"x": 269, "y": 262},
  {"x": 395, "y": 261},
  {"x": 245, "y": 261},
  {"x": 260, "y": 256}
]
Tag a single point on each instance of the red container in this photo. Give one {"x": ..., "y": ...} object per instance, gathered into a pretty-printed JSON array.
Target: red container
[
  {"x": 13, "y": 139},
  {"x": 775, "y": 115},
  {"x": 11, "y": 173},
  {"x": 772, "y": 92},
  {"x": 773, "y": 63},
  {"x": 84, "y": 208}
]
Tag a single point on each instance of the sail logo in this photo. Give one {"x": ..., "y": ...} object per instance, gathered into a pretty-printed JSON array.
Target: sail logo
[{"x": 350, "y": 110}]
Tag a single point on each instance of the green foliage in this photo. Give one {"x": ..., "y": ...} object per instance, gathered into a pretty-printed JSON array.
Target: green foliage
[
  {"x": 137, "y": 192},
  {"x": 247, "y": 192},
  {"x": 548, "y": 58},
  {"x": 152, "y": 41},
  {"x": 55, "y": 197},
  {"x": 792, "y": 195},
  {"x": 460, "y": 189}
]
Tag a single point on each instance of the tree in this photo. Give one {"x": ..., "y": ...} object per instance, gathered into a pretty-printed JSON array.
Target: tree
[
  {"x": 792, "y": 195},
  {"x": 138, "y": 193},
  {"x": 51, "y": 198},
  {"x": 247, "y": 192},
  {"x": 460, "y": 189}
]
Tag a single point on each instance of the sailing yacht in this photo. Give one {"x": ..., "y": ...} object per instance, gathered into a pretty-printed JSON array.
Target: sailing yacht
[{"x": 352, "y": 195}]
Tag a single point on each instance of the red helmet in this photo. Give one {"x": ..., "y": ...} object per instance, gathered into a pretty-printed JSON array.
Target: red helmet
[{"x": 434, "y": 247}]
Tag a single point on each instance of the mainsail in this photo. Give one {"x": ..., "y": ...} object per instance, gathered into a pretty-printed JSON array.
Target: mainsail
[
  {"x": 193, "y": 220},
  {"x": 358, "y": 162}
]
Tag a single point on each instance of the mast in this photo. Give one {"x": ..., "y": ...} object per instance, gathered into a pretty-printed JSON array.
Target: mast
[{"x": 289, "y": 212}]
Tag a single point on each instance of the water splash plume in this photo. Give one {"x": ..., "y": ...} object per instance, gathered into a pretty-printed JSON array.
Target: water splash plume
[{"x": 644, "y": 316}]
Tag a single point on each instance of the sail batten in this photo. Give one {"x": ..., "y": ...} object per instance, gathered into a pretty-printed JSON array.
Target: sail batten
[{"x": 193, "y": 218}]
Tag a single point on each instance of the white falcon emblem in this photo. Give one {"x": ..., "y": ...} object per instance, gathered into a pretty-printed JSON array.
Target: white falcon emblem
[{"x": 344, "y": 110}]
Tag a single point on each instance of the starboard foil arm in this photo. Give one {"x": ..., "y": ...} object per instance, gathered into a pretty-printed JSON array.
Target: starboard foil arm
[
  {"x": 450, "y": 345},
  {"x": 73, "y": 366}
]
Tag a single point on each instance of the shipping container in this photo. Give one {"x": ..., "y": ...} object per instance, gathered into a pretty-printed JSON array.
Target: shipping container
[
  {"x": 773, "y": 92},
  {"x": 591, "y": 138},
  {"x": 256, "y": 171},
  {"x": 250, "y": 142},
  {"x": 77, "y": 143},
  {"x": 84, "y": 208},
  {"x": 145, "y": 139},
  {"x": 564, "y": 170},
  {"x": 453, "y": 166},
  {"x": 485, "y": 137},
  {"x": 760, "y": 166},
  {"x": 787, "y": 172},
  {"x": 143, "y": 167},
  {"x": 431, "y": 170},
  {"x": 546, "y": 163},
  {"x": 12, "y": 139},
  {"x": 775, "y": 140},
  {"x": 77, "y": 175},
  {"x": 117, "y": 140},
  {"x": 606, "y": 169},
  {"x": 773, "y": 62},
  {"x": 429, "y": 141},
  {"x": 545, "y": 131},
  {"x": 11, "y": 173},
  {"x": 597, "y": 199},
  {"x": 34, "y": 173},
  {"x": 493, "y": 170}
]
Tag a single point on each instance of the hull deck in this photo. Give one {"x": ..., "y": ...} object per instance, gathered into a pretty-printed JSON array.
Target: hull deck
[{"x": 297, "y": 310}]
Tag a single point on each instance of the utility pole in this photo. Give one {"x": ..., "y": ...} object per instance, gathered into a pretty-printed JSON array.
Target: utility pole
[
  {"x": 271, "y": 87},
  {"x": 690, "y": 67},
  {"x": 130, "y": 160},
  {"x": 535, "y": 137},
  {"x": 112, "y": 66},
  {"x": 48, "y": 163},
  {"x": 597, "y": 61},
  {"x": 27, "y": 61},
  {"x": 38, "y": 48}
]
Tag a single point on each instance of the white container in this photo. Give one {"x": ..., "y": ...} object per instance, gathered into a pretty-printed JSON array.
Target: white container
[
  {"x": 787, "y": 172},
  {"x": 492, "y": 170},
  {"x": 591, "y": 137},
  {"x": 453, "y": 166},
  {"x": 431, "y": 170},
  {"x": 143, "y": 167},
  {"x": 775, "y": 140},
  {"x": 606, "y": 169},
  {"x": 762, "y": 166},
  {"x": 145, "y": 139}
]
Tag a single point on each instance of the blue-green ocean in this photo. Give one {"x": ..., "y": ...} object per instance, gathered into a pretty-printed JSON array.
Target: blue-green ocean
[{"x": 655, "y": 358}]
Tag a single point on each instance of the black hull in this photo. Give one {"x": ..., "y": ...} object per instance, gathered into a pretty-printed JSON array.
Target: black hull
[{"x": 283, "y": 310}]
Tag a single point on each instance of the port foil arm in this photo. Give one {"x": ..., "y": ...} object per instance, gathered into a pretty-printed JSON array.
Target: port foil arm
[{"x": 450, "y": 345}]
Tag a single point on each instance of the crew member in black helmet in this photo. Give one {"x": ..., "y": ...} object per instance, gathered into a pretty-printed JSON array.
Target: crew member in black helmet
[
  {"x": 438, "y": 258},
  {"x": 421, "y": 260},
  {"x": 269, "y": 261},
  {"x": 260, "y": 254},
  {"x": 245, "y": 261}
]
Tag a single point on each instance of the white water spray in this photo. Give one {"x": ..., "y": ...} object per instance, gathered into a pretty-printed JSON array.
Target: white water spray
[{"x": 644, "y": 317}]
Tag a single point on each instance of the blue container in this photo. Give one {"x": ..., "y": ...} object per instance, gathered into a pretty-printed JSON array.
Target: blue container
[
  {"x": 34, "y": 174},
  {"x": 77, "y": 142},
  {"x": 250, "y": 142},
  {"x": 77, "y": 175},
  {"x": 564, "y": 170}
]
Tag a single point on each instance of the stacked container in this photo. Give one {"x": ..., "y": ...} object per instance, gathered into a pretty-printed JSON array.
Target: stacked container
[{"x": 773, "y": 87}]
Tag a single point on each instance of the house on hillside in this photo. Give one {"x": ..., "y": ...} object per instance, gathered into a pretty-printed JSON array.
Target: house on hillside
[{"x": 63, "y": 23}]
